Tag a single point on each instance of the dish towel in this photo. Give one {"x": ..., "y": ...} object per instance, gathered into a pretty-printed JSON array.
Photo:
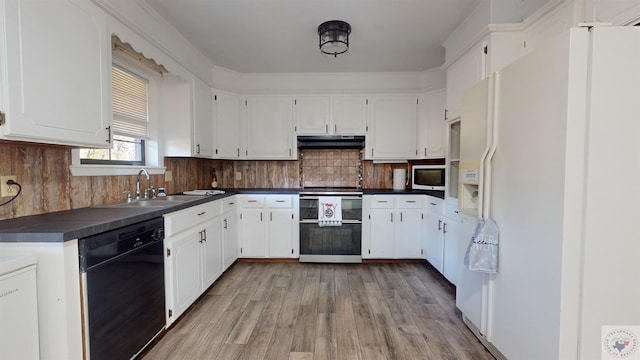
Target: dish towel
[
  {"x": 329, "y": 211},
  {"x": 482, "y": 252}
]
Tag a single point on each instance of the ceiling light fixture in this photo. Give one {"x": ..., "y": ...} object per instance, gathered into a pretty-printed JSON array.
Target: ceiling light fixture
[{"x": 334, "y": 37}]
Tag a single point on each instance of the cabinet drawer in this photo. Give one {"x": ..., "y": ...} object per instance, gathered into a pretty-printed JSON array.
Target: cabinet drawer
[
  {"x": 410, "y": 202},
  {"x": 382, "y": 202},
  {"x": 283, "y": 202},
  {"x": 251, "y": 201},
  {"x": 229, "y": 204},
  {"x": 435, "y": 205},
  {"x": 178, "y": 221},
  {"x": 452, "y": 212}
]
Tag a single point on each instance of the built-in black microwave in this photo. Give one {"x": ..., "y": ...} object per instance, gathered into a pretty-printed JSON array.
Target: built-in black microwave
[{"x": 428, "y": 177}]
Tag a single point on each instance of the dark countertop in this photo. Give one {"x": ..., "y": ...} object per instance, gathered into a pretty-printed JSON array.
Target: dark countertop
[
  {"x": 67, "y": 225},
  {"x": 438, "y": 194},
  {"x": 73, "y": 224}
]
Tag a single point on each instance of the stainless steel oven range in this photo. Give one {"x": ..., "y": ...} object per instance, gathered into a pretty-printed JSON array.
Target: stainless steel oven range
[{"x": 331, "y": 244}]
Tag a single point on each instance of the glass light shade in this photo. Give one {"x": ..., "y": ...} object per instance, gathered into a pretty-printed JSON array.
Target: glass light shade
[{"x": 334, "y": 37}]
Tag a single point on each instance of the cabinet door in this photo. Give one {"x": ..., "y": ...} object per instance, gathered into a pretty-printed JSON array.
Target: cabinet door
[
  {"x": 211, "y": 252},
  {"x": 270, "y": 128},
  {"x": 392, "y": 127},
  {"x": 408, "y": 234},
  {"x": 40, "y": 57},
  {"x": 431, "y": 125},
  {"x": 461, "y": 75},
  {"x": 381, "y": 234},
  {"x": 184, "y": 272},
  {"x": 227, "y": 131},
  {"x": 230, "y": 239},
  {"x": 433, "y": 237},
  {"x": 253, "y": 242},
  {"x": 450, "y": 234},
  {"x": 281, "y": 233},
  {"x": 312, "y": 115},
  {"x": 202, "y": 113},
  {"x": 349, "y": 114}
]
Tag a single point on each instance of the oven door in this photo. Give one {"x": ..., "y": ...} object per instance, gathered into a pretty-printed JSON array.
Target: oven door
[{"x": 335, "y": 244}]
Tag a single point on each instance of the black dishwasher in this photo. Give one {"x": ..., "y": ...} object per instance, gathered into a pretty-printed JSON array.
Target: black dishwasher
[{"x": 122, "y": 273}]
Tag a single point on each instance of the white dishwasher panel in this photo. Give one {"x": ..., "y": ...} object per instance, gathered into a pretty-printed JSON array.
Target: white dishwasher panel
[{"x": 18, "y": 308}]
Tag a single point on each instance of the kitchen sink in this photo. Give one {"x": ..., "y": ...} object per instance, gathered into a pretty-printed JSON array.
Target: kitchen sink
[{"x": 150, "y": 203}]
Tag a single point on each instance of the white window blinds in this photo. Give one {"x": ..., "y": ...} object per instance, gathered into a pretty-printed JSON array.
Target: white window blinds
[{"x": 129, "y": 103}]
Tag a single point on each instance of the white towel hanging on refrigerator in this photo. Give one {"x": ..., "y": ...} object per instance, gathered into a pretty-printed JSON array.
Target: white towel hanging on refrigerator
[
  {"x": 482, "y": 252},
  {"x": 329, "y": 211}
]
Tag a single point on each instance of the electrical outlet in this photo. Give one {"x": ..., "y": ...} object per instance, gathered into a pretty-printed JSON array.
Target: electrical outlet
[
  {"x": 238, "y": 176},
  {"x": 8, "y": 190},
  {"x": 168, "y": 175}
]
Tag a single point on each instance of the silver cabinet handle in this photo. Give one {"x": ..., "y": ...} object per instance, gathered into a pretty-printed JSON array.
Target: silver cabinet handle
[
  {"x": 439, "y": 224},
  {"x": 225, "y": 223},
  {"x": 270, "y": 216},
  {"x": 326, "y": 129},
  {"x": 444, "y": 227},
  {"x": 202, "y": 213},
  {"x": 410, "y": 201},
  {"x": 260, "y": 216},
  {"x": 238, "y": 152},
  {"x": 400, "y": 217},
  {"x": 198, "y": 149},
  {"x": 255, "y": 201},
  {"x": 280, "y": 201},
  {"x": 335, "y": 128},
  {"x": 434, "y": 204},
  {"x": 108, "y": 128},
  {"x": 391, "y": 217}
]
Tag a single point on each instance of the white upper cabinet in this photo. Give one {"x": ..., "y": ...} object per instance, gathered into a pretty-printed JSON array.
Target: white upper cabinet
[
  {"x": 349, "y": 114},
  {"x": 270, "y": 128},
  {"x": 490, "y": 54},
  {"x": 468, "y": 70},
  {"x": 202, "y": 114},
  {"x": 331, "y": 115},
  {"x": 187, "y": 118},
  {"x": 312, "y": 115},
  {"x": 55, "y": 71},
  {"x": 431, "y": 125},
  {"x": 392, "y": 121},
  {"x": 227, "y": 125}
]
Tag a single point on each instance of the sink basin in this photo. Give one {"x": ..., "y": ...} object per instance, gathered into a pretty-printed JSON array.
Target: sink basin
[
  {"x": 150, "y": 203},
  {"x": 162, "y": 201}
]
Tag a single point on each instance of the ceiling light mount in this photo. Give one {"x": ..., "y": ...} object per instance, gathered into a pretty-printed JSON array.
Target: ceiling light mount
[{"x": 334, "y": 37}]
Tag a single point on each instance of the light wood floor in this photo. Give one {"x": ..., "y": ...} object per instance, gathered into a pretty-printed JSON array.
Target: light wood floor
[{"x": 287, "y": 310}]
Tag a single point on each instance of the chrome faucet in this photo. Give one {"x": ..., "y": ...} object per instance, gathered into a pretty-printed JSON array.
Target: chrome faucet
[{"x": 142, "y": 171}]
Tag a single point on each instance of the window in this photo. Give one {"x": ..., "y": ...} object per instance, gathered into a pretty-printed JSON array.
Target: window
[{"x": 130, "y": 103}]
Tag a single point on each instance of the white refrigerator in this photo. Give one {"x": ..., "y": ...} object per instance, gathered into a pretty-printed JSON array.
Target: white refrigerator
[{"x": 550, "y": 149}]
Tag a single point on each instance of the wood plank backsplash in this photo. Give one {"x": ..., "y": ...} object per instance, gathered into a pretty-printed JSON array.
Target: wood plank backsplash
[{"x": 47, "y": 184}]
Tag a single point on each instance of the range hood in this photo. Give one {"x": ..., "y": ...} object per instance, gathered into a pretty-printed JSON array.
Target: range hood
[{"x": 331, "y": 142}]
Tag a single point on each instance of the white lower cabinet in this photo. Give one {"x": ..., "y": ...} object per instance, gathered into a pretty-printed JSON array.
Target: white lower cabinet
[
  {"x": 393, "y": 226},
  {"x": 434, "y": 239},
  {"x": 229, "y": 231},
  {"x": 450, "y": 251},
  {"x": 193, "y": 248},
  {"x": 268, "y": 226}
]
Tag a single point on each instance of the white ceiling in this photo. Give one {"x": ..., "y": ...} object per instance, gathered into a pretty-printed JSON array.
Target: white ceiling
[{"x": 276, "y": 36}]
